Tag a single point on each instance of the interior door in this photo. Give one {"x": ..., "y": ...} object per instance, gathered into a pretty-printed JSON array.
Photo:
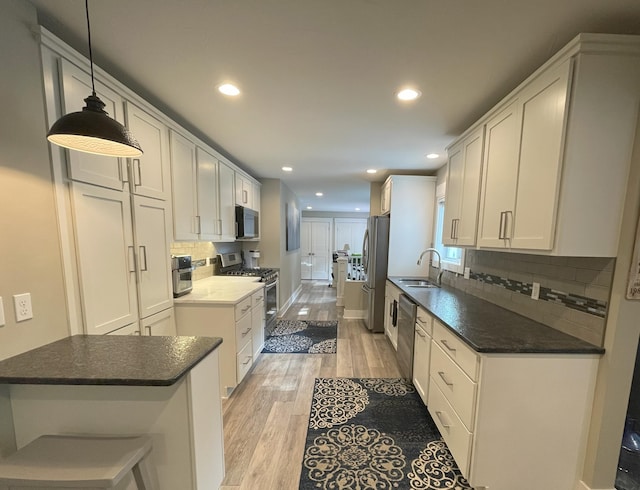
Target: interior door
[{"x": 315, "y": 253}]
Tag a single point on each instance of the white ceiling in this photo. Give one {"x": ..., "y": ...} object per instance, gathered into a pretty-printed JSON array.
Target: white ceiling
[{"x": 318, "y": 76}]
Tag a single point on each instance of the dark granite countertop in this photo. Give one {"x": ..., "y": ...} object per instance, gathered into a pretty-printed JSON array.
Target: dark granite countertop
[
  {"x": 489, "y": 328},
  {"x": 108, "y": 360}
]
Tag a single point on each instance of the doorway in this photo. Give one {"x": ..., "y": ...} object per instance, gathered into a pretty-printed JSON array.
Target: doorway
[{"x": 315, "y": 253}]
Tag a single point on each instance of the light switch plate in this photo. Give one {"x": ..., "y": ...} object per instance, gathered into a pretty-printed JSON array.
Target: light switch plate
[
  {"x": 535, "y": 290},
  {"x": 467, "y": 272},
  {"x": 1, "y": 312}
]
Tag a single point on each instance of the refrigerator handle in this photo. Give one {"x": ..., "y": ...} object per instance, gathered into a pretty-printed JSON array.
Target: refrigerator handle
[{"x": 365, "y": 251}]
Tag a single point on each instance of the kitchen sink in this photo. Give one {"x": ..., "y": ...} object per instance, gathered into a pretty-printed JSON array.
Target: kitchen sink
[{"x": 417, "y": 283}]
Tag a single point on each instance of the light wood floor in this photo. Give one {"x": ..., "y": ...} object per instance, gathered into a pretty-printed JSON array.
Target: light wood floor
[{"x": 266, "y": 417}]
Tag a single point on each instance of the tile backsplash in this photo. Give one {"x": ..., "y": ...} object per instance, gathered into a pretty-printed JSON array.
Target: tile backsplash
[{"x": 574, "y": 291}]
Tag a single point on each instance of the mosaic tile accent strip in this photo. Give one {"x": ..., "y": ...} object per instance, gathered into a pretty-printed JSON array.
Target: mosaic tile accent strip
[
  {"x": 199, "y": 263},
  {"x": 574, "y": 301}
]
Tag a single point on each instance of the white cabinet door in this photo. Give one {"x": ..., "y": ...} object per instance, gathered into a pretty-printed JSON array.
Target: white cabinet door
[
  {"x": 305, "y": 250},
  {"x": 257, "y": 326},
  {"x": 226, "y": 203},
  {"x": 85, "y": 167},
  {"x": 421, "y": 359},
  {"x": 150, "y": 173},
  {"x": 543, "y": 116},
  {"x": 152, "y": 238},
  {"x": 207, "y": 194},
  {"x": 256, "y": 197},
  {"x": 502, "y": 144},
  {"x": 455, "y": 177},
  {"x": 162, "y": 323},
  {"x": 106, "y": 257},
  {"x": 385, "y": 197},
  {"x": 466, "y": 227},
  {"x": 244, "y": 191},
  {"x": 184, "y": 180},
  {"x": 132, "y": 329}
]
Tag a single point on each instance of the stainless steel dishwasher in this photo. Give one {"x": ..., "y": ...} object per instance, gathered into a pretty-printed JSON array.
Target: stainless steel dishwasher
[{"x": 407, "y": 310}]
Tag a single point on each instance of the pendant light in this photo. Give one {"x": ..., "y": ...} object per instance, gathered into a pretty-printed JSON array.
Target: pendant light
[{"x": 92, "y": 130}]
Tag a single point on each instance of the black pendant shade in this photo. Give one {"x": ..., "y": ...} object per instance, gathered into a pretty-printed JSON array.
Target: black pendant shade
[{"x": 92, "y": 130}]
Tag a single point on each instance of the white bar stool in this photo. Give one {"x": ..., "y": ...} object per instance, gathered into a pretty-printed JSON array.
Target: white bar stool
[{"x": 80, "y": 462}]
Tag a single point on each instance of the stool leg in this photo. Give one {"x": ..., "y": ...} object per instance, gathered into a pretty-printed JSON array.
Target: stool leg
[{"x": 145, "y": 474}]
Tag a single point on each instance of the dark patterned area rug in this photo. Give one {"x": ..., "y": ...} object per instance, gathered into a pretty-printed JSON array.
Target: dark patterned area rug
[
  {"x": 302, "y": 337},
  {"x": 374, "y": 433}
]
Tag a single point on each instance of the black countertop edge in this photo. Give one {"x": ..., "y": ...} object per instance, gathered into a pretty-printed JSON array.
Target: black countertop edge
[
  {"x": 491, "y": 329},
  {"x": 103, "y": 360}
]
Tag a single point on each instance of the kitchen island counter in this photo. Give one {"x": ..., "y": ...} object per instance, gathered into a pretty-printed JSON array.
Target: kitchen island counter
[
  {"x": 165, "y": 387},
  {"x": 221, "y": 290},
  {"x": 489, "y": 328}
]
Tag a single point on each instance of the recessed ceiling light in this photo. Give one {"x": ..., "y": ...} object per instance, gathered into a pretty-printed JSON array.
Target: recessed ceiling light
[
  {"x": 431, "y": 156},
  {"x": 287, "y": 169},
  {"x": 309, "y": 207},
  {"x": 408, "y": 94},
  {"x": 229, "y": 89},
  {"x": 372, "y": 171},
  {"x": 319, "y": 194},
  {"x": 357, "y": 209}
]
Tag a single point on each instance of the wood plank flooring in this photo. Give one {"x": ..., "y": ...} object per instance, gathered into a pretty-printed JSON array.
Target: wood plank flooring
[{"x": 266, "y": 417}]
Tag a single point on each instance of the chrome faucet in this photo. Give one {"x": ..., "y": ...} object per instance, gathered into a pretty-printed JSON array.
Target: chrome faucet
[{"x": 440, "y": 269}]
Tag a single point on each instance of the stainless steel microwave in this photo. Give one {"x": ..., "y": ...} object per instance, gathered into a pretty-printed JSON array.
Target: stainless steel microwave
[{"x": 246, "y": 223}]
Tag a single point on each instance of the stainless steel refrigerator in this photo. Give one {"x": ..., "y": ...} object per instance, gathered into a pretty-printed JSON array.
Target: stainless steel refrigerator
[{"x": 375, "y": 248}]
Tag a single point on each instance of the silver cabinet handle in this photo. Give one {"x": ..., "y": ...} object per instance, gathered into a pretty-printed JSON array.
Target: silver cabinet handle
[
  {"x": 244, "y": 310},
  {"x": 246, "y": 332},
  {"x": 148, "y": 330},
  {"x": 441, "y": 417},
  {"x": 122, "y": 174},
  {"x": 456, "y": 230},
  {"x": 219, "y": 227},
  {"x": 143, "y": 253},
  {"x": 507, "y": 236},
  {"x": 446, "y": 344},
  {"x": 500, "y": 236},
  {"x": 453, "y": 224},
  {"x": 245, "y": 196},
  {"x": 446, "y": 381},
  {"x": 136, "y": 164},
  {"x": 421, "y": 333},
  {"x": 247, "y": 361},
  {"x": 132, "y": 258}
]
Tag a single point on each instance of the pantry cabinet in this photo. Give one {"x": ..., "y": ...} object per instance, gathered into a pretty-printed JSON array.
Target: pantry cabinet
[
  {"x": 123, "y": 257},
  {"x": 463, "y": 190},
  {"x": 150, "y": 173}
]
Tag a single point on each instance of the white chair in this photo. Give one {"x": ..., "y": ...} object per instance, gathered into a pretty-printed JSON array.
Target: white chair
[{"x": 80, "y": 463}]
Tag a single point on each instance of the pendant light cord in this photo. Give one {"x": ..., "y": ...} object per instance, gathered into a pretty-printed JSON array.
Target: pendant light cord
[{"x": 93, "y": 83}]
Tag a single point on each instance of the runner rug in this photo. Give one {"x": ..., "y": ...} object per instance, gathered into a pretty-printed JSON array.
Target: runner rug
[
  {"x": 374, "y": 433},
  {"x": 302, "y": 337}
]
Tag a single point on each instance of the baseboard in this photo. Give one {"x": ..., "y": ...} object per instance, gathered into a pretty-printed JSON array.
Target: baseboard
[
  {"x": 290, "y": 301},
  {"x": 583, "y": 486},
  {"x": 354, "y": 314}
]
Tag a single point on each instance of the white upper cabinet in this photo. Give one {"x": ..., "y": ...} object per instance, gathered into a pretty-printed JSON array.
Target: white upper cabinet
[
  {"x": 500, "y": 177},
  {"x": 208, "y": 208},
  {"x": 85, "y": 167},
  {"x": 227, "y": 208},
  {"x": 463, "y": 190},
  {"x": 385, "y": 197},
  {"x": 149, "y": 173},
  {"x": 184, "y": 182},
  {"x": 244, "y": 191}
]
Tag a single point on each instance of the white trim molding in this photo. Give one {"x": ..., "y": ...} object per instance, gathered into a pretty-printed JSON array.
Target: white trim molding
[{"x": 583, "y": 486}]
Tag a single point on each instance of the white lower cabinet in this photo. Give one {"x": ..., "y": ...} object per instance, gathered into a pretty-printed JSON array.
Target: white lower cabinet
[
  {"x": 163, "y": 323},
  {"x": 234, "y": 323},
  {"x": 422, "y": 353},
  {"x": 512, "y": 420},
  {"x": 258, "y": 318}
]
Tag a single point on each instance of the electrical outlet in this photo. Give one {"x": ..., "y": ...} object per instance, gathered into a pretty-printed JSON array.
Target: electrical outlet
[
  {"x": 467, "y": 272},
  {"x": 535, "y": 290},
  {"x": 22, "y": 303},
  {"x": 2, "y": 322}
]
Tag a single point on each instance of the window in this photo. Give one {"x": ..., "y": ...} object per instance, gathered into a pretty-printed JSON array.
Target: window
[{"x": 452, "y": 257}]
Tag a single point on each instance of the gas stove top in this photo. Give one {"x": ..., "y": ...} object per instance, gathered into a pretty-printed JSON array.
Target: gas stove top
[{"x": 231, "y": 265}]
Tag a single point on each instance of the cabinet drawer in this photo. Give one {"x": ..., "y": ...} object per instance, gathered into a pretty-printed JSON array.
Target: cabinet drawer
[
  {"x": 454, "y": 384},
  {"x": 243, "y": 332},
  {"x": 456, "y": 349},
  {"x": 453, "y": 431},
  {"x": 244, "y": 360},
  {"x": 425, "y": 321},
  {"x": 243, "y": 307},
  {"x": 257, "y": 299}
]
